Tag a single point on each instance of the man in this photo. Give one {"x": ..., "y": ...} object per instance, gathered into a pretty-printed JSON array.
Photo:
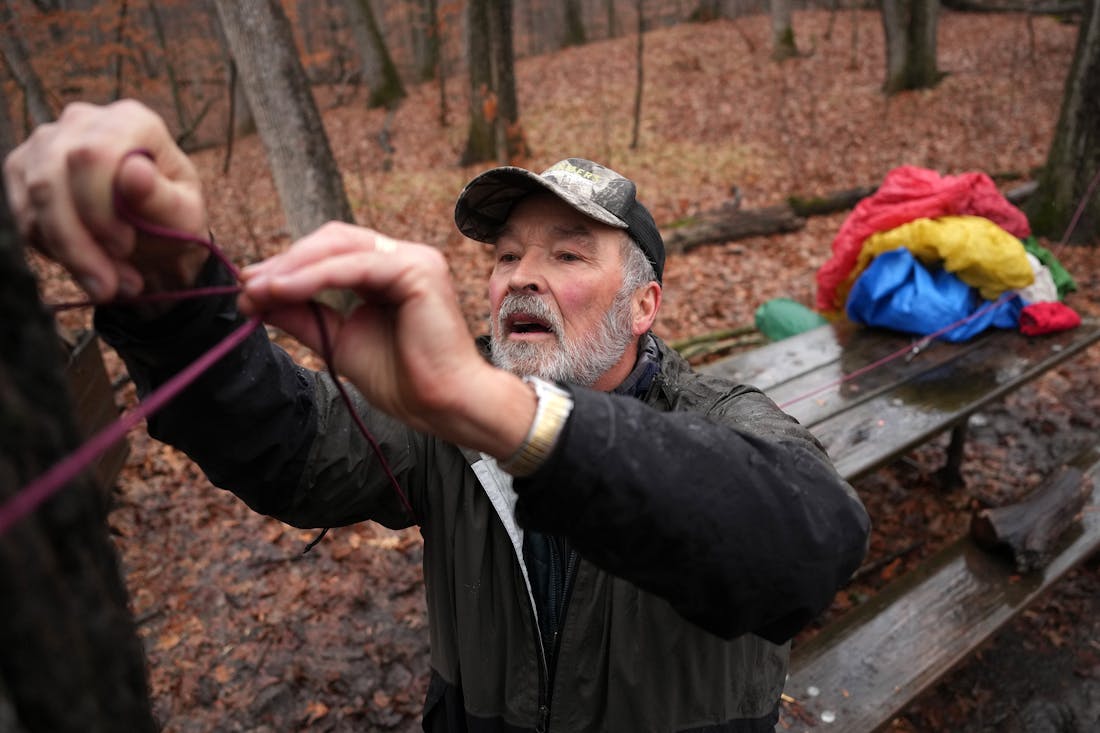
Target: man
[{"x": 611, "y": 541}]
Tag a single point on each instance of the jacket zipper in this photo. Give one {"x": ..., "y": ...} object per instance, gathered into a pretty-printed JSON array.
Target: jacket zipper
[{"x": 561, "y": 588}]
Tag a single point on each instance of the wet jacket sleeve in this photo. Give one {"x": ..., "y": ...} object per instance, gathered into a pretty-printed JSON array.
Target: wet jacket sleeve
[
  {"x": 735, "y": 516},
  {"x": 252, "y": 421}
]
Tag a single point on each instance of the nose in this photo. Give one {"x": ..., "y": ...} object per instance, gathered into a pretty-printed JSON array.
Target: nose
[{"x": 526, "y": 276}]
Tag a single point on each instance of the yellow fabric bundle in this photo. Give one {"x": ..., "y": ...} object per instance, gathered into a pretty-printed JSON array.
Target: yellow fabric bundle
[{"x": 980, "y": 253}]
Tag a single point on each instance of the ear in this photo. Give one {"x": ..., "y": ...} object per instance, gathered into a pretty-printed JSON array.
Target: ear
[{"x": 646, "y": 302}]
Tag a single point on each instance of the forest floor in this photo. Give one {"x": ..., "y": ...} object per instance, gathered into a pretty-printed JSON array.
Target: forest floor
[{"x": 244, "y": 632}]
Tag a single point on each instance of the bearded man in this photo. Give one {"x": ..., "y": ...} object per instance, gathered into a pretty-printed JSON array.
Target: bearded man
[{"x": 612, "y": 542}]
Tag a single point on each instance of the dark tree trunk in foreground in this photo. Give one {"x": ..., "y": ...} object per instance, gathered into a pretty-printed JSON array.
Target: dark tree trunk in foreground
[
  {"x": 71, "y": 660},
  {"x": 306, "y": 175},
  {"x": 910, "y": 28},
  {"x": 1073, "y": 164}
]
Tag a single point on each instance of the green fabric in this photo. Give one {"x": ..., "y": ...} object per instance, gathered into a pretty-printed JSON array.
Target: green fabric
[
  {"x": 1062, "y": 279},
  {"x": 781, "y": 318}
]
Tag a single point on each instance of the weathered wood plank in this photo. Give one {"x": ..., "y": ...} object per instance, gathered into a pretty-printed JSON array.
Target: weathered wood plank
[
  {"x": 865, "y": 668},
  {"x": 874, "y": 432},
  {"x": 867, "y": 421},
  {"x": 774, "y": 363}
]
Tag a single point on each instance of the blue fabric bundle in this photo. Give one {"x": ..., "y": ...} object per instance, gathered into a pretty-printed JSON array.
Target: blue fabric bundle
[{"x": 897, "y": 291}]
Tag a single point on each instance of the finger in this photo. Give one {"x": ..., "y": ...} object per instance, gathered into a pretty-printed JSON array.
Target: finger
[
  {"x": 368, "y": 273},
  {"x": 155, "y": 197},
  {"x": 331, "y": 240},
  {"x": 300, "y": 321},
  {"x": 89, "y": 173},
  {"x": 58, "y": 231}
]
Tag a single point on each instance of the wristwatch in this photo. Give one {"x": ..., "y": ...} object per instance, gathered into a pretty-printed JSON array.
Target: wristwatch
[{"x": 554, "y": 406}]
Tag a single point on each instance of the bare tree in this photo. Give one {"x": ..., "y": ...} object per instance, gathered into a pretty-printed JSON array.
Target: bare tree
[
  {"x": 574, "y": 24},
  {"x": 495, "y": 132},
  {"x": 426, "y": 40},
  {"x": 635, "y": 137},
  {"x": 910, "y": 28},
  {"x": 783, "y": 45},
  {"x": 35, "y": 99},
  {"x": 306, "y": 175},
  {"x": 379, "y": 72},
  {"x": 1069, "y": 180}
]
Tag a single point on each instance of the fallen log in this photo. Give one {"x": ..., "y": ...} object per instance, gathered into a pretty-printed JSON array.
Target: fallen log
[
  {"x": 739, "y": 224},
  {"x": 729, "y": 222},
  {"x": 1031, "y": 530}
]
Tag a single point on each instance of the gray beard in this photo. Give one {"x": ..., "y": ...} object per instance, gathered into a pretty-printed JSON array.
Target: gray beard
[{"x": 579, "y": 361}]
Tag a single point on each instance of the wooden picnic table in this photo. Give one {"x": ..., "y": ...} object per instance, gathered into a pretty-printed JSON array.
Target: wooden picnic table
[
  {"x": 871, "y": 397},
  {"x": 907, "y": 392}
]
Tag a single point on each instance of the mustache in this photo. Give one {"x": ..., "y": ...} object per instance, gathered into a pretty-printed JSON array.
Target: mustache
[{"x": 529, "y": 305}]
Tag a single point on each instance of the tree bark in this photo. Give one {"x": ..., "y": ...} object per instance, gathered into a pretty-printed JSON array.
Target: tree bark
[
  {"x": 1031, "y": 529},
  {"x": 71, "y": 659},
  {"x": 635, "y": 137},
  {"x": 1069, "y": 179},
  {"x": 495, "y": 132},
  {"x": 306, "y": 175},
  {"x": 783, "y": 44},
  {"x": 426, "y": 40},
  {"x": 480, "y": 145},
  {"x": 910, "y": 30},
  {"x": 379, "y": 72},
  {"x": 574, "y": 24},
  {"x": 36, "y": 100},
  {"x": 511, "y": 143}
]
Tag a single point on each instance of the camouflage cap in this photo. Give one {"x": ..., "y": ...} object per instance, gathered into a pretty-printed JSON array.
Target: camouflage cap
[{"x": 596, "y": 191}]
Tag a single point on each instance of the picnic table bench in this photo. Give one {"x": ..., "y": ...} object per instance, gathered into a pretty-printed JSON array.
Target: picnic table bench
[{"x": 871, "y": 396}]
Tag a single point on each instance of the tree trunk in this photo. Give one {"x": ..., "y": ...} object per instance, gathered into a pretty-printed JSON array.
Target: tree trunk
[
  {"x": 71, "y": 659},
  {"x": 783, "y": 45},
  {"x": 574, "y": 24},
  {"x": 182, "y": 120},
  {"x": 379, "y": 72},
  {"x": 480, "y": 145},
  {"x": 635, "y": 137},
  {"x": 426, "y": 40},
  {"x": 706, "y": 11},
  {"x": 910, "y": 31},
  {"x": 1069, "y": 179},
  {"x": 18, "y": 60},
  {"x": 495, "y": 132},
  {"x": 306, "y": 175},
  {"x": 511, "y": 144},
  {"x": 8, "y": 135}
]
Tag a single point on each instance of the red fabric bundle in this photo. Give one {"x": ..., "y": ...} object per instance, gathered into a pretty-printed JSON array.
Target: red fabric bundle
[
  {"x": 1047, "y": 317},
  {"x": 909, "y": 193}
]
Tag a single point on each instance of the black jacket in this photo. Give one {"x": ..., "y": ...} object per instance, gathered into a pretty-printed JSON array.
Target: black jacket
[{"x": 710, "y": 527}]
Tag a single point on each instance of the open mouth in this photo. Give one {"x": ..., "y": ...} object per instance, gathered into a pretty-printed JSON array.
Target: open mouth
[{"x": 521, "y": 323}]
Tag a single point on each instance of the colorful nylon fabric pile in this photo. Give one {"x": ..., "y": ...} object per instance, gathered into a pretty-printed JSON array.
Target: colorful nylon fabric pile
[{"x": 926, "y": 251}]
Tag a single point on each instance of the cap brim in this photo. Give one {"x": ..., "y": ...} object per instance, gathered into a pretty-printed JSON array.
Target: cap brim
[{"x": 485, "y": 204}]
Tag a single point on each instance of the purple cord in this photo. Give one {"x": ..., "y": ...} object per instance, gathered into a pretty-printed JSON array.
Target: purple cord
[
  {"x": 61, "y": 473},
  {"x": 56, "y": 477}
]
